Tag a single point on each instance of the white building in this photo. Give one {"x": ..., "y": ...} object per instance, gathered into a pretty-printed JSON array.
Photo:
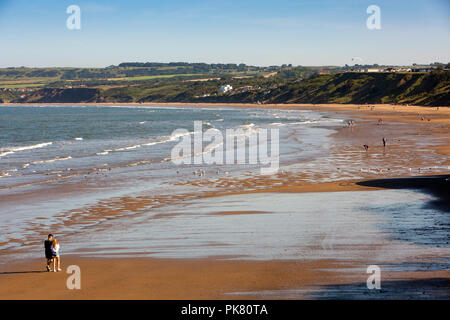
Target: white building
[{"x": 225, "y": 88}]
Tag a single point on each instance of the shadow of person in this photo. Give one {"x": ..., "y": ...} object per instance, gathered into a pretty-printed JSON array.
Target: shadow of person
[{"x": 21, "y": 272}]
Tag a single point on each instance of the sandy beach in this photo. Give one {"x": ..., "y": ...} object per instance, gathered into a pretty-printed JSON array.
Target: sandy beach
[
  {"x": 234, "y": 159},
  {"x": 167, "y": 279},
  {"x": 419, "y": 137}
]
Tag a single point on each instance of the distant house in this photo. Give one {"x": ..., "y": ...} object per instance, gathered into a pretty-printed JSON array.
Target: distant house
[
  {"x": 366, "y": 70},
  {"x": 225, "y": 88},
  {"x": 422, "y": 69},
  {"x": 402, "y": 69}
]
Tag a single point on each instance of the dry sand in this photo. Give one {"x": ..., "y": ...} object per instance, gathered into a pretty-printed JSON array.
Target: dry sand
[{"x": 146, "y": 278}]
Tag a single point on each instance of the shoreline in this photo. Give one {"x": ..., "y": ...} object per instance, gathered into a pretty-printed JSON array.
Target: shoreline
[
  {"x": 213, "y": 278},
  {"x": 410, "y": 113},
  {"x": 341, "y": 106},
  {"x": 438, "y": 127}
]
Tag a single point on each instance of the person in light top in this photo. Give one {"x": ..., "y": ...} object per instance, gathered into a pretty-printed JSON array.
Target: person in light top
[{"x": 55, "y": 253}]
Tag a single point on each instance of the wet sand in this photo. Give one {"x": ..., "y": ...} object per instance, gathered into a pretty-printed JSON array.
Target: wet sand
[
  {"x": 212, "y": 278},
  {"x": 217, "y": 277}
]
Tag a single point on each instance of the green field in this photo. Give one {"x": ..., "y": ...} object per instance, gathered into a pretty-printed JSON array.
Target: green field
[
  {"x": 21, "y": 85},
  {"x": 166, "y": 76}
]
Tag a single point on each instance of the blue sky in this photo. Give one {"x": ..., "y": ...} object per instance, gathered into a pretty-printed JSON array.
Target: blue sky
[{"x": 301, "y": 32}]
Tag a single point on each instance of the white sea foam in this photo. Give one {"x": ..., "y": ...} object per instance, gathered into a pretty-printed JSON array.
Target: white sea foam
[
  {"x": 248, "y": 130},
  {"x": 318, "y": 121},
  {"x": 128, "y": 148},
  {"x": 52, "y": 160},
  {"x": 10, "y": 150},
  {"x": 6, "y": 153},
  {"x": 165, "y": 139},
  {"x": 104, "y": 153},
  {"x": 247, "y": 126}
]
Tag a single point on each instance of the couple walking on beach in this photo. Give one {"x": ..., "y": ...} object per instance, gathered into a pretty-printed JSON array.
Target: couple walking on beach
[{"x": 52, "y": 246}]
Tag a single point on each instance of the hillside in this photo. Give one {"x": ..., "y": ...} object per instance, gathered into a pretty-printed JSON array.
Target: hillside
[
  {"x": 429, "y": 89},
  {"x": 397, "y": 88}
]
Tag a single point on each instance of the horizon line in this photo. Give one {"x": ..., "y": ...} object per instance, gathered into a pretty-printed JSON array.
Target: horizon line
[{"x": 227, "y": 63}]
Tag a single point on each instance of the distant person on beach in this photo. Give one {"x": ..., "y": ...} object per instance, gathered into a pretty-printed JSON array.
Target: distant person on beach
[
  {"x": 48, "y": 251},
  {"x": 384, "y": 141},
  {"x": 55, "y": 255},
  {"x": 366, "y": 147}
]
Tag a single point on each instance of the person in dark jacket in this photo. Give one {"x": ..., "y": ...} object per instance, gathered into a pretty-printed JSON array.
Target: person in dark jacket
[{"x": 48, "y": 251}]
